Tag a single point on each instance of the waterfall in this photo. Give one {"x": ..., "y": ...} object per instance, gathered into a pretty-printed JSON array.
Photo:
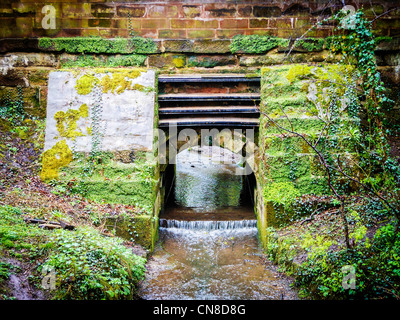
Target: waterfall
[{"x": 208, "y": 225}]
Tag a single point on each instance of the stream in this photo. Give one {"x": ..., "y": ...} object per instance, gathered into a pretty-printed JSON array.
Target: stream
[{"x": 208, "y": 247}]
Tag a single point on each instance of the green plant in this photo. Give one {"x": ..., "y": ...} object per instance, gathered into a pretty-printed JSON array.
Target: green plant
[
  {"x": 376, "y": 265},
  {"x": 89, "y": 266}
]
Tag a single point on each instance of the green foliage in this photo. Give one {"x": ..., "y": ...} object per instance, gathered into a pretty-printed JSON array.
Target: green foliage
[
  {"x": 381, "y": 172},
  {"x": 89, "y": 266},
  {"x": 281, "y": 251},
  {"x": 99, "y": 45},
  {"x": 281, "y": 193},
  {"x": 377, "y": 267},
  {"x": 256, "y": 43},
  {"x": 15, "y": 234},
  {"x": 5, "y": 270}
]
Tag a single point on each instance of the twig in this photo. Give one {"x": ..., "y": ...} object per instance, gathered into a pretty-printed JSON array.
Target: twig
[
  {"x": 311, "y": 217},
  {"x": 384, "y": 14}
]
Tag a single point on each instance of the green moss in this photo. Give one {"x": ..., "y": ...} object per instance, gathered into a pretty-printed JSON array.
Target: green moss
[
  {"x": 99, "y": 45},
  {"x": 129, "y": 60},
  {"x": 310, "y": 44},
  {"x": 55, "y": 158},
  {"x": 206, "y": 62},
  {"x": 141, "y": 229},
  {"x": 285, "y": 93},
  {"x": 66, "y": 122},
  {"x": 280, "y": 192},
  {"x": 256, "y": 44},
  {"x": 113, "y": 181}
]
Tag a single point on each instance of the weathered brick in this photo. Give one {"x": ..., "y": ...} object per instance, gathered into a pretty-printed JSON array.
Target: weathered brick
[
  {"x": 304, "y": 22},
  {"x": 297, "y": 10},
  {"x": 40, "y": 32},
  {"x": 155, "y": 23},
  {"x": 162, "y": 11},
  {"x": 284, "y": 23},
  {"x": 108, "y": 33},
  {"x": 166, "y": 61},
  {"x": 208, "y": 61},
  {"x": 100, "y": 10},
  {"x": 220, "y": 10},
  {"x": 182, "y": 23},
  {"x": 234, "y": 23},
  {"x": 71, "y": 23},
  {"x": 230, "y": 33},
  {"x": 174, "y": 34},
  {"x": 193, "y": 24},
  {"x": 23, "y": 8},
  {"x": 90, "y": 32},
  {"x": 148, "y": 33},
  {"x": 101, "y": 23},
  {"x": 132, "y": 11},
  {"x": 211, "y": 46},
  {"x": 178, "y": 45},
  {"x": 263, "y": 31},
  {"x": 73, "y": 10},
  {"x": 201, "y": 34},
  {"x": 259, "y": 23},
  {"x": 7, "y": 27},
  {"x": 124, "y": 24},
  {"x": 285, "y": 33},
  {"x": 24, "y": 26},
  {"x": 261, "y": 11},
  {"x": 244, "y": 11},
  {"x": 191, "y": 11},
  {"x": 71, "y": 32}
]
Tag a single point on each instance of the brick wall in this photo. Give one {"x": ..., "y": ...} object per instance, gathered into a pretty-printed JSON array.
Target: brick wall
[{"x": 184, "y": 19}]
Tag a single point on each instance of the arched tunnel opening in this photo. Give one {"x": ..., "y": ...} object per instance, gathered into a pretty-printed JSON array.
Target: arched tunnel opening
[{"x": 197, "y": 187}]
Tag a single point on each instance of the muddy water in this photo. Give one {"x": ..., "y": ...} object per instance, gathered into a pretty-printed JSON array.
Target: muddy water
[{"x": 208, "y": 247}]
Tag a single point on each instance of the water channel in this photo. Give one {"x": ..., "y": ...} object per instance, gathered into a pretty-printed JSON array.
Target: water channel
[{"x": 208, "y": 246}]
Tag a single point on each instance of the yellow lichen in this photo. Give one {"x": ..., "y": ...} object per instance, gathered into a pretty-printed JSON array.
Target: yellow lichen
[
  {"x": 119, "y": 82},
  {"x": 58, "y": 156},
  {"x": 85, "y": 84},
  {"x": 67, "y": 122},
  {"x": 115, "y": 80}
]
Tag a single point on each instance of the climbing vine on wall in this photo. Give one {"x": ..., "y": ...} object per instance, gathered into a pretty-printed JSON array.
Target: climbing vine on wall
[{"x": 13, "y": 110}]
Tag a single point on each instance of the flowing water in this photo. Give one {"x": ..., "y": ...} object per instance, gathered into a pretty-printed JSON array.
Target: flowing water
[{"x": 208, "y": 246}]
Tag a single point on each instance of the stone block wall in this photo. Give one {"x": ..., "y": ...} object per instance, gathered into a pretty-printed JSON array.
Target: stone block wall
[
  {"x": 184, "y": 19},
  {"x": 187, "y": 36}
]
